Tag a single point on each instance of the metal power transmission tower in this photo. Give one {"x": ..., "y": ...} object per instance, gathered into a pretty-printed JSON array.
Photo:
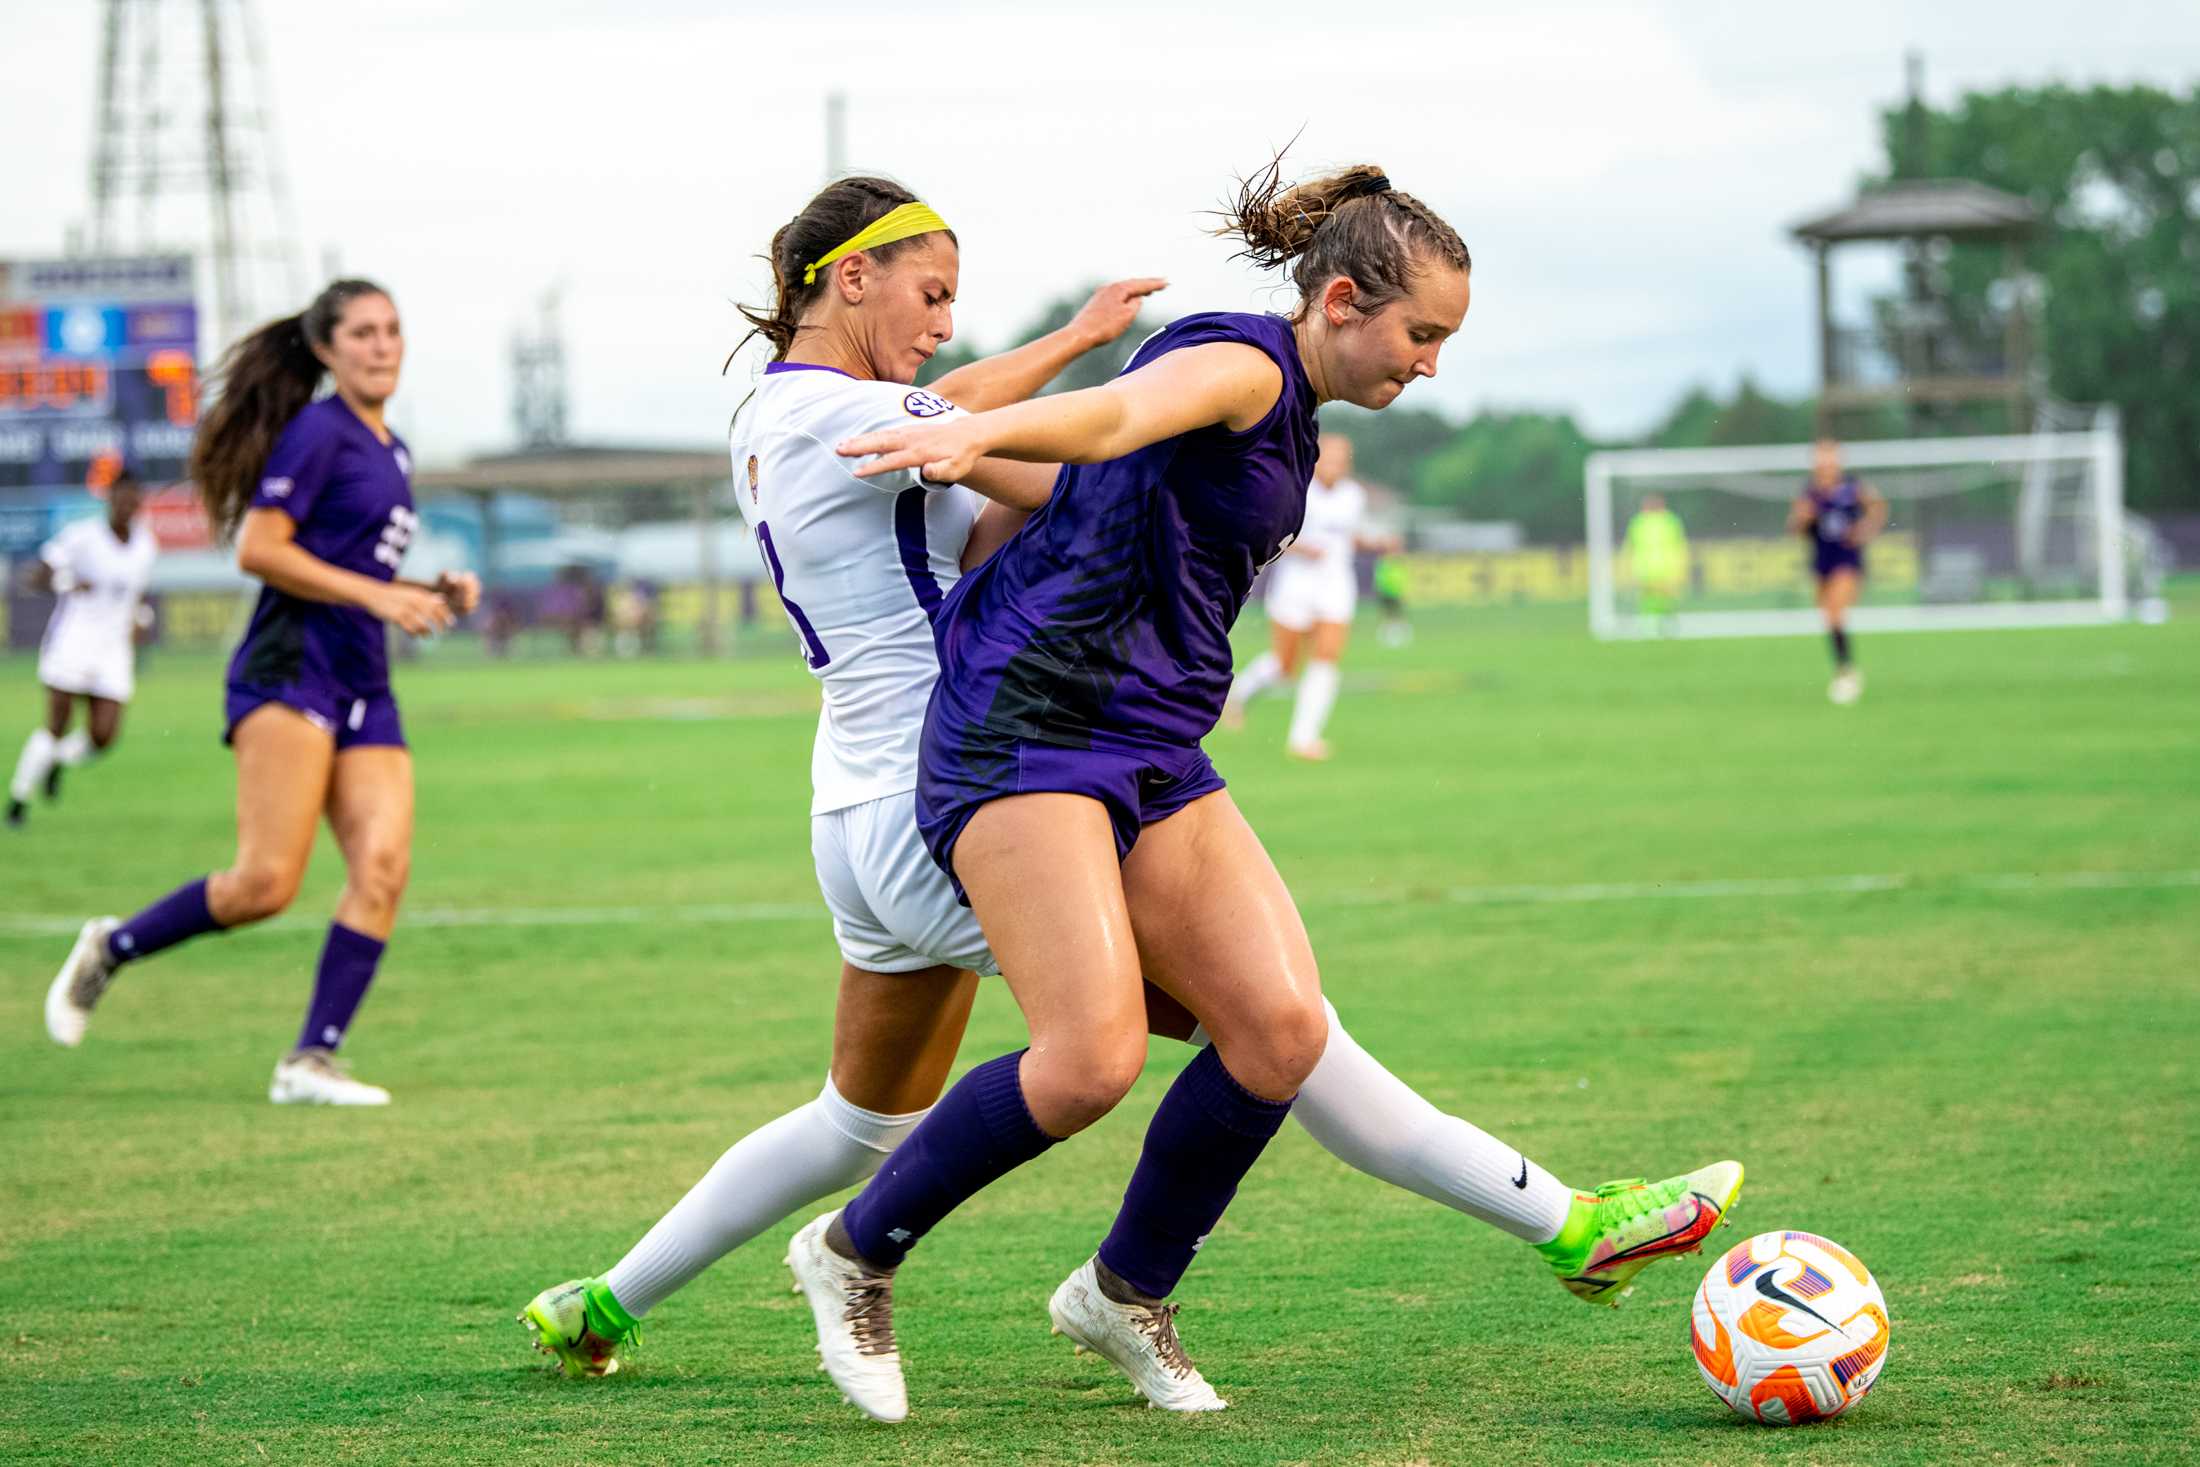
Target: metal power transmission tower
[
  {"x": 185, "y": 156},
  {"x": 538, "y": 377}
]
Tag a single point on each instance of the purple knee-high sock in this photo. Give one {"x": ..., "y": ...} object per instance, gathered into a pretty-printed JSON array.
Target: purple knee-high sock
[
  {"x": 176, "y": 917},
  {"x": 1206, "y": 1135},
  {"x": 980, "y": 1130},
  {"x": 348, "y": 961}
]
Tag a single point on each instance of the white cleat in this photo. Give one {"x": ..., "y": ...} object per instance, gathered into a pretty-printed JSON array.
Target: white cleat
[
  {"x": 854, "y": 1310},
  {"x": 1313, "y": 752},
  {"x": 1846, "y": 687},
  {"x": 317, "y": 1077},
  {"x": 79, "y": 984},
  {"x": 1138, "y": 1339}
]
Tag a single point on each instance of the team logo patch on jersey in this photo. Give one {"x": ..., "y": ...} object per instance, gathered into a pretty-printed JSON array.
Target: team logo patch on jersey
[
  {"x": 922, "y": 404},
  {"x": 752, "y": 478},
  {"x": 276, "y": 488}
]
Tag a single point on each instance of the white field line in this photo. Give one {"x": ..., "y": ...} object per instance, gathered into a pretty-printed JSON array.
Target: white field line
[{"x": 26, "y": 924}]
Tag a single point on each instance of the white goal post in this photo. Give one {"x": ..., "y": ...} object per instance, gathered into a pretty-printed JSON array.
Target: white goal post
[{"x": 2022, "y": 530}]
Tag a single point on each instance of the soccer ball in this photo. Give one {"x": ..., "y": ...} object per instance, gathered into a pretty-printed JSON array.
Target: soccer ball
[{"x": 1789, "y": 1328}]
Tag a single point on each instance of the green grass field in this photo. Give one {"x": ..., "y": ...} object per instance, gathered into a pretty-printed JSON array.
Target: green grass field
[{"x": 1592, "y": 898}]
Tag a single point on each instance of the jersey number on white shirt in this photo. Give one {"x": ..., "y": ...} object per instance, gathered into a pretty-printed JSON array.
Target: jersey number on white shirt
[{"x": 813, "y": 651}]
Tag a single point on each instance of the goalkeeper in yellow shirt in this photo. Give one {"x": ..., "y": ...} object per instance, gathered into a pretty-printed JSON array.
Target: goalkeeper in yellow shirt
[{"x": 1657, "y": 552}]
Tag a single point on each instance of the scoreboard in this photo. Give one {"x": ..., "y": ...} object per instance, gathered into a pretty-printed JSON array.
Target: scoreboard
[{"x": 98, "y": 370}]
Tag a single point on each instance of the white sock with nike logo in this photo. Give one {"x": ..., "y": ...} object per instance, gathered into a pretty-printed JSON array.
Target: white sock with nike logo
[{"x": 1374, "y": 1122}]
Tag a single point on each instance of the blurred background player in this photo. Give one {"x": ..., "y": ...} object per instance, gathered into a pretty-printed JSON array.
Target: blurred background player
[
  {"x": 1389, "y": 580},
  {"x": 1313, "y": 590},
  {"x": 1657, "y": 552},
  {"x": 97, "y": 570},
  {"x": 1838, "y": 514},
  {"x": 319, "y": 497}
]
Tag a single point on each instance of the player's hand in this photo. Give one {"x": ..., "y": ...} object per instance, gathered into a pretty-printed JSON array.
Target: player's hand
[
  {"x": 943, "y": 452},
  {"x": 1114, "y": 307},
  {"x": 417, "y": 610},
  {"x": 460, "y": 589}
]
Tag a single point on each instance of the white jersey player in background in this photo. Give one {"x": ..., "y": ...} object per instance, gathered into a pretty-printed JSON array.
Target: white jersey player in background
[
  {"x": 97, "y": 569},
  {"x": 859, "y": 565},
  {"x": 1313, "y": 591}
]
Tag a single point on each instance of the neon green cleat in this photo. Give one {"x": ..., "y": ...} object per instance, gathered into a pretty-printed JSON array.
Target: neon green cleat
[
  {"x": 583, "y": 1325},
  {"x": 1617, "y": 1231}
]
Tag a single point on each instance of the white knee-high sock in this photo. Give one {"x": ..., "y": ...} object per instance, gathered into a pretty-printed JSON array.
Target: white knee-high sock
[
  {"x": 1265, "y": 673},
  {"x": 32, "y": 765},
  {"x": 808, "y": 1153},
  {"x": 1317, "y": 695},
  {"x": 75, "y": 748},
  {"x": 1374, "y": 1122}
]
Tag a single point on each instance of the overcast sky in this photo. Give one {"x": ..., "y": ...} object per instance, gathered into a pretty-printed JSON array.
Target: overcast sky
[{"x": 1624, "y": 174}]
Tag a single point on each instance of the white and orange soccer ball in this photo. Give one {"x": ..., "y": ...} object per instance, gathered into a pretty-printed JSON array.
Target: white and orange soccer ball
[{"x": 1789, "y": 1328}]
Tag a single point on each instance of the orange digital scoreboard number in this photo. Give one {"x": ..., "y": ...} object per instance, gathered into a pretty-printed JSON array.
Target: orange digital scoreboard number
[
  {"x": 47, "y": 387},
  {"x": 178, "y": 378}
]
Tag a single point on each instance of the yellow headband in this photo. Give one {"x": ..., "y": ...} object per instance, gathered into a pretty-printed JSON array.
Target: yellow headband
[{"x": 906, "y": 222}]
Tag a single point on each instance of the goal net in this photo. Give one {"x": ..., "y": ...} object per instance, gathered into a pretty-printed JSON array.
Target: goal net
[{"x": 2012, "y": 531}]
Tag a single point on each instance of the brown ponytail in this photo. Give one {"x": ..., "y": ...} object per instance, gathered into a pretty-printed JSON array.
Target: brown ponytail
[
  {"x": 1351, "y": 223},
  {"x": 840, "y": 211},
  {"x": 261, "y": 383}
]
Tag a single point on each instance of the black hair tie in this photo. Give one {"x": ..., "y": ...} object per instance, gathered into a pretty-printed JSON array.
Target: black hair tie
[{"x": 1366, "y": 188}]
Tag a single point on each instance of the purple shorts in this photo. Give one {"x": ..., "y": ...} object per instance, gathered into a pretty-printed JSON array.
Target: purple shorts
[
  {"x": 358, "y": 721},
  {"x": 1138, "y": 785},
  {"x": 1826, "y": 559}
]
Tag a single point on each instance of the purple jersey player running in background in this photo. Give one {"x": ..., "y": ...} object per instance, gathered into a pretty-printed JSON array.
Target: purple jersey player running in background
[
  {"x": 1838, "y": 514},
  {"x": 319, "y": 497}
]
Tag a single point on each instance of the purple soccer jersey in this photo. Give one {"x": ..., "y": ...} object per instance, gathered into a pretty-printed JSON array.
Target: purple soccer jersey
[
  {"x": 1091, "y": 653},
  {"x": 351, "y": 497},
  {"x": 1834, "y": 513},
  {"x": 1107, "y": 618}
]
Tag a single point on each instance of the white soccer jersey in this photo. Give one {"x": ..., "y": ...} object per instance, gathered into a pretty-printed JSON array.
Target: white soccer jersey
[
  {"x": 860, "y": 565},
  {"x": 91, "y": 636},
  {"x": 1332, "y": 525}
]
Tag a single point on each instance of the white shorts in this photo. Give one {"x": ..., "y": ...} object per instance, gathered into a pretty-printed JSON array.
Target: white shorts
[
  {"x": 1299, "y": 598},
  {"x": 99, "y": 667},
  {"x": 894, "y": 910}
]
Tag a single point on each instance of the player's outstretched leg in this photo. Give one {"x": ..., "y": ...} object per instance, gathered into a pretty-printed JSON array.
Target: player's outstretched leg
[
  {"x": 581, "y": 1323},
  {"x": 1617, "y": 1231},
  {"x": 83, "y": 978},
  {"x": 1376, "y": 1123}
]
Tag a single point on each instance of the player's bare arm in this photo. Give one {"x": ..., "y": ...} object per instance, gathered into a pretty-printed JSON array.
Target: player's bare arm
[
  {"x": 1013, "y": 376},
  {"x": 267, "y": 550},
  {"x": 992, "y": 529},
  {"x": 1875, "y": 517},
  {"x": 1225, "y": 383}
]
